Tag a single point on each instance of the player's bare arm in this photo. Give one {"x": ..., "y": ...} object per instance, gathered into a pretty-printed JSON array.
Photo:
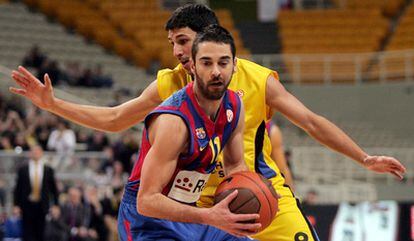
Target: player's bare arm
[
  {"x": 112, "y": 119},
  {"x": 233, "y": 152},
  {"x": 157, "y": 170},
  {"x": 278, "y": 154},
  {"x": 325, "y": 131}
]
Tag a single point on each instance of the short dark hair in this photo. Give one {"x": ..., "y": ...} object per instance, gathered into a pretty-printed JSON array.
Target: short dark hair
[
  {"x": 213, "y": 33},
  {"x": 194, "y": 16}
]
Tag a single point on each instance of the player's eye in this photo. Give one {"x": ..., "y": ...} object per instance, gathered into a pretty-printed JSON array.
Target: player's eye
[
  {"x": 182, "y": 41},
  {"x": 223, "y": 63}
]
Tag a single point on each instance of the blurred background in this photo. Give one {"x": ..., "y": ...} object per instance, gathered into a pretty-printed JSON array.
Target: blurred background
[{"x": 349, "y": 60}]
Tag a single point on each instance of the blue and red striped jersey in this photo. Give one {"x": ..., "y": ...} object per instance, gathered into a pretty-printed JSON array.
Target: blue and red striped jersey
[{"x": 207, "y": 139}]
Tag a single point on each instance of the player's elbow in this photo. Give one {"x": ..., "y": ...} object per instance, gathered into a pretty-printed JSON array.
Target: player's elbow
[
  {"x": 313, "y": 124},
  {"x": 114, "y": 119},
  {"x": 143, "y": 205}
]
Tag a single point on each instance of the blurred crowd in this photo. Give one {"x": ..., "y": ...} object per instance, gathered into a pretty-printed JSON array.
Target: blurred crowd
[
  {"x": 85, "y": 213},
  {"x": 22, "y": 127},
  {"x": 94, "y": 198},
  {"x": 72, "y": 73}
]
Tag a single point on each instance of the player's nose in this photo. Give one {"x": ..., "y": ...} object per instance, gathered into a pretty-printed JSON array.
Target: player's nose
[
  {"x": 177, "y": 50},
  {"x": 215, "y": 72}
]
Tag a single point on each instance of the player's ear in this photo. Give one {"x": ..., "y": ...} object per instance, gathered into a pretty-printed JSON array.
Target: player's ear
[{"x": 235, "y": 64}]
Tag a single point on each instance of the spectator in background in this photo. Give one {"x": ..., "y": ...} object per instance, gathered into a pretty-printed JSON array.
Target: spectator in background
[
  {"x": 75, "y": 215},
  {"x": 2, "y": 220},
  {"x": 124, "y": 149},
  {"x": 73, "y": 73},
  {"x": 62, "y": 140},
  {"x": 98, "y": 141},
  {"x": 311, "y": 198},
  {"x": 2, "y": 194},
  {"x": 108, "y": 161},
  {"x": 3, "y": 107},
  {"x": 110, "y": 205},
  {"x": 34, "y": 191},
  {"x": 34, "y": 58},
  {"x": 99, "y": 79},
  {"x": 86, "y": 78},
  {"x": 21, "y": 142},
  {"x": 119, "y": 177},
  {"x": 94, "y": 204},
  {"x": 5, "y": 143},
  {"x": 56, "y": 229},
  {"x": 82, "y": 136},
  {"x": 13, "y": 226},
  {"x": 51, "y": 67},
  {"x": 12, "y": 124}
]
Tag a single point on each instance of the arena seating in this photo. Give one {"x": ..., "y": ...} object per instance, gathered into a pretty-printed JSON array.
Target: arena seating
[
  {"x": 388, "y": 7},
  {"x": 401, "y": 39},
  {"x": 132, "y": 29},
  {"x": 331, "y": 31},
  {"x": 21, "y": 29}
]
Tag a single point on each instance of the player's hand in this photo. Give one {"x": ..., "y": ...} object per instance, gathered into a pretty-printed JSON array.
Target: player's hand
[
  {"x": 384, "y": 164},
  {"x": 30, "y": 87},
  {"x": 239, "y": 225}
]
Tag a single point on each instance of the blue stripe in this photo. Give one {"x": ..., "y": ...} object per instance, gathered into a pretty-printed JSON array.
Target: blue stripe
[
  {"x": 263, "y": 168},
  {"x": 238, "y": 110},
  {"x": 176, "y": 99},
  {"x": 228, "y": 129},
  {"x": 199, "y": 123}
]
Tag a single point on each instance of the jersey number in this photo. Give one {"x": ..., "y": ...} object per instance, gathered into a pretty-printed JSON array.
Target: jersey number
[{"x": 215, "y": 148}]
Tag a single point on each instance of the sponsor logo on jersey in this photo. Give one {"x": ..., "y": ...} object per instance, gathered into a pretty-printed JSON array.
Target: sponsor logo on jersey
[
  {"x": 203, "y": 147},
  {"x": 187, "y": 186}
]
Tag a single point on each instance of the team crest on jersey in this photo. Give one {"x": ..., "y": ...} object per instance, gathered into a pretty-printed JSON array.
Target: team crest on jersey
[
  {"x": 230, "y": 115},
  {"x": 240, "y": 93},
  {"x": 201, "y": 133}
]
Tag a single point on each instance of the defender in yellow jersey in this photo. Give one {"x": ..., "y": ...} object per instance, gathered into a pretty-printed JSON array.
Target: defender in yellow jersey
[
  {"x": 249, "y": 81},
  {"x": 260, "y": 90}
]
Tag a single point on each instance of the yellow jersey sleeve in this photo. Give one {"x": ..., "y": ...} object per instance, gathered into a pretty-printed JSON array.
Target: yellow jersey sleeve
[{"x": 171, "y": 80}]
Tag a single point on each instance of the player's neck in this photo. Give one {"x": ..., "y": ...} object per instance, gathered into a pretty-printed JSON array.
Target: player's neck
[{"x": 209, "y": 106}]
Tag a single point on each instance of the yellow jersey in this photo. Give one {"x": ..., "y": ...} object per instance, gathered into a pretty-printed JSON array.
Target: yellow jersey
[{"x": 249, "y": 82}]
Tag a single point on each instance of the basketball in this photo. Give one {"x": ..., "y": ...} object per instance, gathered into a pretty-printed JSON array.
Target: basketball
[{"x": 255, "y": 195}]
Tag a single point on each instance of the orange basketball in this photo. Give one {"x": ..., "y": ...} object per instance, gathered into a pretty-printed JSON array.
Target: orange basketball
[{"x": 255, "y": 195}]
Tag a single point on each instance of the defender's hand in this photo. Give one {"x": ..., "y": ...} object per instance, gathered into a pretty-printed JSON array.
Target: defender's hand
[
  {"x": 30, "y": 87},
  {"x": 384, "y": 164}
]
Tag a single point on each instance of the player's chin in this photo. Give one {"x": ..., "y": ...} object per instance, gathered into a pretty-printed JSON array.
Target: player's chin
[{"x": 187, "y": 65}]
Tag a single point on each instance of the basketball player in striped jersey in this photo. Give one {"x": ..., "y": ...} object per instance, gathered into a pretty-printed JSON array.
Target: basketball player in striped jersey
[{"x": 195, "y": 123}]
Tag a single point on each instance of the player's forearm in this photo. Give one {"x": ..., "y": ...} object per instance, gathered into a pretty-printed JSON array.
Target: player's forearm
[
  {"x": 160, "y": 206},
  {"x": 112, "y": 119},
  {"x": 332, "y": 136},
  {"x": 100, "y": 118}
]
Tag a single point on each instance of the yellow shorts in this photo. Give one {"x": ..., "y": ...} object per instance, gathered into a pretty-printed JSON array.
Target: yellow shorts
[{"x": 289, "y": 224}]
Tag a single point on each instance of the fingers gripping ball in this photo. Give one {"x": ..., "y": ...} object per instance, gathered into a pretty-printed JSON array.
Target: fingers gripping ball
[{"x": 255, "y": 195}]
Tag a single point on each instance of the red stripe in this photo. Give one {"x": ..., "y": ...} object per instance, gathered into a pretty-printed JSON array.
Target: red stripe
[{"x": 128, "y": 231}]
